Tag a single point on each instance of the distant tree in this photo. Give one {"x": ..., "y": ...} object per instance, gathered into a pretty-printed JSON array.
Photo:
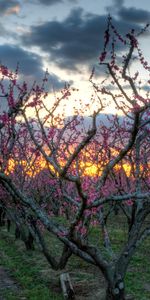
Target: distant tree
[{"x": 91, "y": 172}]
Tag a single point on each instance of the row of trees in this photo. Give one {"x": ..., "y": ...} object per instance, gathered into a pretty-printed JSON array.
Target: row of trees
[{"x": 49, "y": 167}]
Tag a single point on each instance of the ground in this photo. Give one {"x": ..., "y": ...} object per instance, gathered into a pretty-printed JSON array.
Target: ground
[
  {"x": 7, "y": 282},
  {"x": 27, "y": 275},
  {"x": 84, "y": 290},
  {"x": 88, "y": 284},
  {"x": 92, "y": 289}
]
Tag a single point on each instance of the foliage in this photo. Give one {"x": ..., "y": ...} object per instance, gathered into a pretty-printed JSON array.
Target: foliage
[{"x": 45, "y": 163}]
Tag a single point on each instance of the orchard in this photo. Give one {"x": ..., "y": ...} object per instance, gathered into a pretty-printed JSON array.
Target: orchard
[{"x": 60, "y": 177}]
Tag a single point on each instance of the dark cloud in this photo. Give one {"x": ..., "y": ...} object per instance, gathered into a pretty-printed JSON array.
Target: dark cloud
[
  {"x": 133, "y": 14},
  {"x": 55, "y": 83},
  {"x": 74, "y": 42},
  {"x": 9, "y": 7},
  {"x": 30, "y": 65},
  {"x": 47, "y": 2},
  {"x": 52, "y": 2},
  {"x": 130, "y": 14},
  {"x": 117, "y": 4}
]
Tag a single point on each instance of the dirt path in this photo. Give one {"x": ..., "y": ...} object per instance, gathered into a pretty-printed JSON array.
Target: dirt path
[{"x": 6, "y": 282}]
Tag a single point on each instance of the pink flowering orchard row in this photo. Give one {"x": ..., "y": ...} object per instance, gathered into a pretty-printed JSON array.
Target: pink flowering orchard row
[{"x": 51, "y": 166}]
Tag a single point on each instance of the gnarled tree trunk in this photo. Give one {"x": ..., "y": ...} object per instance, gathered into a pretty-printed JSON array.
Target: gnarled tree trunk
[{"x": 115, "y": 292}]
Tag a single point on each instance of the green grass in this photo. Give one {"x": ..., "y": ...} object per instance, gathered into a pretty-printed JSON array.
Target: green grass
[
  {"x": 25, "y": 266},
  {"x": 38, "y": 281},
  {"x": 138, "y": 275},
  {"x": 137, "y": 280}
]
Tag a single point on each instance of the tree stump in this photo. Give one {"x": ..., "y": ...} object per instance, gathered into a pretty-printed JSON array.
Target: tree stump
[{"x": 66, "y": 285}]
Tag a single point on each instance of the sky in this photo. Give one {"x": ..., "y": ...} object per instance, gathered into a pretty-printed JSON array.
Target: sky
[{"x": 65, "y": 36}]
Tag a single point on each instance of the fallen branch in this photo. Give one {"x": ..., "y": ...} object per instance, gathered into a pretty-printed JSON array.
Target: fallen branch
[{"x": 66, "y": 285}]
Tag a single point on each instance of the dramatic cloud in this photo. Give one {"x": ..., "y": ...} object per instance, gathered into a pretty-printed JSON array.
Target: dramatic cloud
[
  {"x": 52, "y": 2},
  {"x": 133, "y": 14},
  {"x": 9, "y": 7},
  {"x": 47, "y": 2},
  {"x": 130, "y": 14},
  {"x": 55, "y": 83},
  {"x": 74, "y": 42},
  {"x": 30, "y": 63},
  {"x": 117, "y": 4}
]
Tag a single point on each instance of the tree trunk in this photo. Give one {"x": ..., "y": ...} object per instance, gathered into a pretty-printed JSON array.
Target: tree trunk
[
  {"x": 29, "y": 242},
  {"x": 17, "y": 233},
  {"x": 2, "y": 217},
  {"x": 116, "y": 292}
]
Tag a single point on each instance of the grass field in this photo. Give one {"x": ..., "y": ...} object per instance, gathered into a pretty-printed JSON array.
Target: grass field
[{"x": 36, "y": 280}]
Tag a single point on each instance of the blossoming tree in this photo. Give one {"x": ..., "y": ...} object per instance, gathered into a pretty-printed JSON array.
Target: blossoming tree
[{"x": 85, "y": 174}]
